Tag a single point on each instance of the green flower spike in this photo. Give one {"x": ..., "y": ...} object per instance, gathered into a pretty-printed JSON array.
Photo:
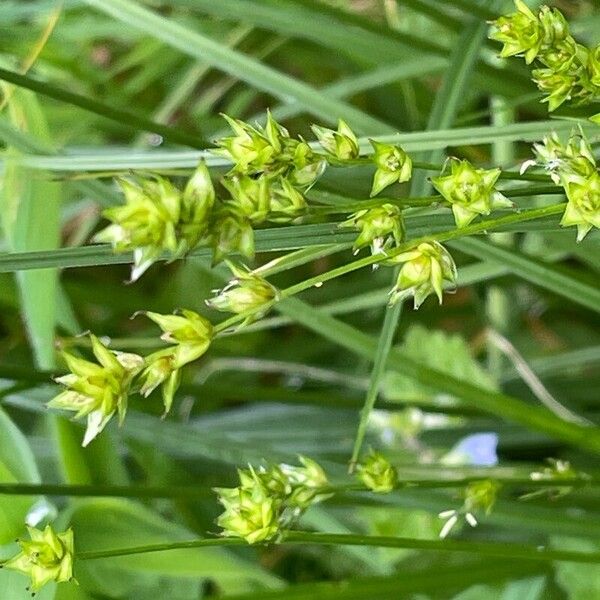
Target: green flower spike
[
  {"x": 562, "y": 162},
  {"x": 249, "y": 148},
  {"x": 250, "y": 196},
  {"x": 307, "y": 166},
  {"x": 251, "y": 510},
  {"x": 47, "y": 557},
  {"x": 158, "y": 218},
  {"x": 232, "y": 232},
  {"x": 554, "y": 473},
  {"x": 558, "y": 86},
  {"x": 146, "y": 224},
  {"x": 470, "y": 191},
  {"x": 593, "y": 67},
  {"x": 287, "y": 203},
  {"x": 192, "y": 335},
  {"x": 341, "y": 144},
  {"x": 380, "y": 227},
  {"x": 197, "y": 202},
  {"x": 97, "y": 391},
  {"x": 305, "y": 482},
  {"x": 393, "y": 165},
  {"x": 583, "y": 206},
  {"x": 424, "y": 271},
  {"x": 479, "y": 498},
  {"x": 527, "y": 34},
  {"x": 246, "y": 292},
  {"x": 377, "y": 473},
  {"x": 268, "y": 150}
]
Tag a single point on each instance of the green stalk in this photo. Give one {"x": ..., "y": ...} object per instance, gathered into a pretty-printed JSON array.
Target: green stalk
[
  {"x": 384, "y": 345},
  {"x": 318, "y": 280},
  {"x": 143, "y": 491},
  {"x": 496, "y": 549}
]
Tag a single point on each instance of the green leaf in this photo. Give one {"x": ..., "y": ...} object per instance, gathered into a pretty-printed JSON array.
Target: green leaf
[
  {"x": 501, "y": 405},
  {"x": 123, "y": 117},
  {"x": 30, "y": 217},
  {"x": 452, "y": 93},
  {"x": 111, "y": 159},
  {"x": 579, "y": 583},
  {"x": 444, "y": 352},
  {"x": 267, "y": 240},
  {"x": 432, "y": 579}
]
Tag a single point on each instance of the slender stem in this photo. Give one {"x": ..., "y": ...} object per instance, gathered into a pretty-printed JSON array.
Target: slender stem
[
  {"x": 359, "y": 204},
  {"x": 142, "y": 491},
  {"x": 318, "y": 280},
  {"x": 388, "y": 330},
  {"x": 497, "y": 549},
  {"x": 203, "y": 543},
  {"x": 103, "y": 491}
]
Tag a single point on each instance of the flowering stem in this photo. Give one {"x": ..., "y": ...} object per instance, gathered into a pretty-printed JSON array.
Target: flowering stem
[
  {"x": 425, "y": 200},
  {"x": 497, "y": 549},
  {"x": 142, "y": 491},
  {"x": 318, "y": 280},
  {"x": 103, "y": 491},
  {"x": 427, "y": 166}
]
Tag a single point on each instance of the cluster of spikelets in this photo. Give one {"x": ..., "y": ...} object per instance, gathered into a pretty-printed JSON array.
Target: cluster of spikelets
[
  {"x": 270, "y": 176},
  {"x": 45, "y": 557},
  {"x": 100, "y": 390},
  {"x": 569, "y": 71},
  {"x": 573, "y": 166},
  {"x": 269, "y": 500}
]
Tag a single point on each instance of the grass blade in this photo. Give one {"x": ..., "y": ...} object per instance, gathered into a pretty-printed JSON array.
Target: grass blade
[
  {"x": 549, "y": 277},
  {"x": 239, "y": 65}
]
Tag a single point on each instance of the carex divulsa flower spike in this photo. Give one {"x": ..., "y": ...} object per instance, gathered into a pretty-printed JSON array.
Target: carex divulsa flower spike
[
  {"x": 246, "y": 292},
  {"x": 377, "y": 473},
  {"x": 270, "y": 499},
  {"x": 562, "y": 161},
  {"x": 583, "y": 206},
  {"x": 190, "y": 335},
  {"x": 557, "y": 473},
  {"x": 270, "y": 152},
  {"x": 159, "y": 218},
  {"x": 568, "y": 70},
  {"x": 393, "y": 166},
  {"x": 380, "y": 227},
  {"x": 97, "y": 390},
  {"x": 46, "y": 557},
  {"x": 527, "y": 34},
  {"x": 340, "y": 144},
  {"x": 470, "y": 191},
  {"x": 424, "y": 271},
  {"x": 252, "y": 510},
  {"x": 573, "y": 166}
]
